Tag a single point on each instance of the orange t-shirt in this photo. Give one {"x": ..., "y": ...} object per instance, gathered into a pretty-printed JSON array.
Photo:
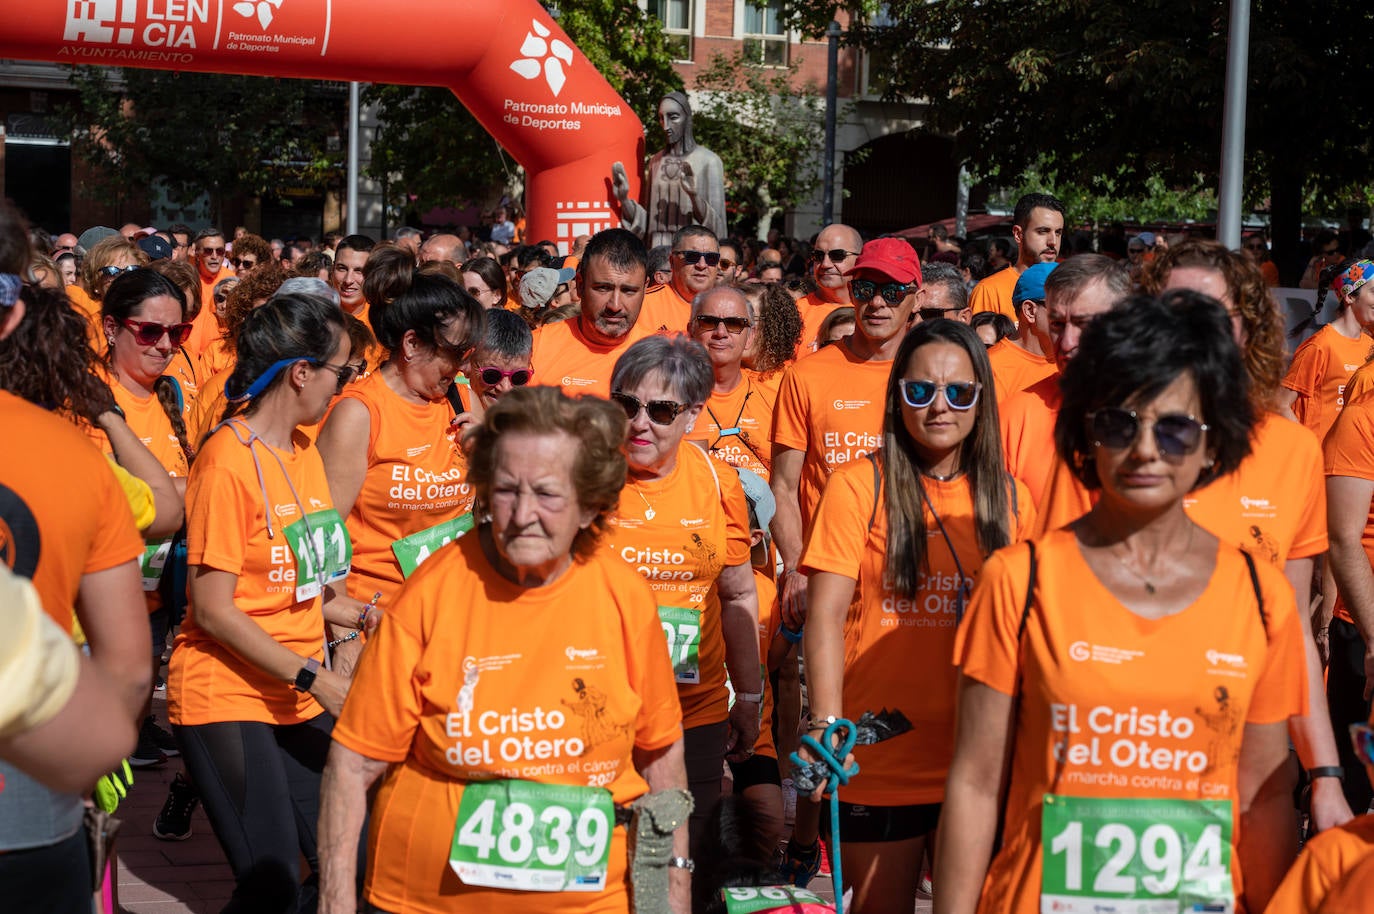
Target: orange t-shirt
[
  {"x": 748, "y": 408},
  {"x": 1320, "y": 370},
  {"x": 564, "y": 357},
  {"x": 770, "y": 622},
  {"x": 90, "y": 309},
  {"x": 664, "y": 312},
  {"x": 186, "y": 369},
  {"x": 1270, "y": 272},
  {"x": 897, "y": 648},
  {"x": 994, "y": 293},
  {"x": 830, "y": 406},
  {"x": 1330, "y": 866},
  {"x": 415, "y": 480},
  {"x": 1116, "y": 706},
  {"x": 236, "y": 522},
  {"x": 1014, "y": 369},
  {"x": 1349, "y": 451},
  {"x": 679, "y": 532},
  {"x": 62, "y": 512},
  {"x": 473, "y": 678},
  {"x": 208, "y": 407},
  {"x": 217, "y": 357},
  {"x": 814, "y": 310},
  {"x": 1361, "y": 382},
  {"x": 1274, "y": 505},
  {"x": 1027, "y": 420},
  {"x": 206, "y": 327}
]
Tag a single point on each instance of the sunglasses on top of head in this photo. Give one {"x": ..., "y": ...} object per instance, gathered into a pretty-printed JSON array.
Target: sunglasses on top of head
[
  {"x": 1176, "y": 434},
  {"x": 150, "y": 333},
  {"x": 518, "y": 377},
  {"x": 918, "y": 394},
  {"x": 893, "y": 293},
  {"x": 660, "y": 412}
]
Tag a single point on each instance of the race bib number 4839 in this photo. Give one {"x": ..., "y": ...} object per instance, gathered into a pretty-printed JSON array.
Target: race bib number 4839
[
  {"x": 533, "y": 837},
  {"x": 1135, "y": 856}
]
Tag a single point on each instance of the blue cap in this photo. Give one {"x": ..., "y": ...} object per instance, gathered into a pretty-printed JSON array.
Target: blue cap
[{"x": 1031, "y": 284}]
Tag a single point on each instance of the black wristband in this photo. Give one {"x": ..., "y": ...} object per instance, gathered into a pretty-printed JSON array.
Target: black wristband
[{"x": 1326, "y": 771}]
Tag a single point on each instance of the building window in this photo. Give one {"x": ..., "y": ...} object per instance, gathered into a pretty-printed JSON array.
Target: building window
[
  {"x": 765, "y": 34},
  {"x": 677, "y": 17}
]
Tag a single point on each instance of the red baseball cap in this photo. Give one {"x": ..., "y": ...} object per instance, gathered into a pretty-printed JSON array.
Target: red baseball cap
[{"x": 892, "y": 257}]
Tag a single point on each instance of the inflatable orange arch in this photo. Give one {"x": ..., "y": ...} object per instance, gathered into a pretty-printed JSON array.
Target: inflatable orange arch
[{"x": 506, "y": 60}]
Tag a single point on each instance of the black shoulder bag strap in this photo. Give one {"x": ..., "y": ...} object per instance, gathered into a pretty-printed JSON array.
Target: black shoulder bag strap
[
  {"x": 1015, "y": 700},
  {"x": 1259, "y": 597}
]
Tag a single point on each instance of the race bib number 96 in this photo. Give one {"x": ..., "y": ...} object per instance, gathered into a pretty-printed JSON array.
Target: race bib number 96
[
  {"x": 533, "y": 837},
  {"x": 1136, "y": 856}
]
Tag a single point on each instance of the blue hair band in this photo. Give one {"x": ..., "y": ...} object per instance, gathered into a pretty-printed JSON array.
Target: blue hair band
[
  {"x": 10, "y": 286},
  {"x": 266, "y": 378}
]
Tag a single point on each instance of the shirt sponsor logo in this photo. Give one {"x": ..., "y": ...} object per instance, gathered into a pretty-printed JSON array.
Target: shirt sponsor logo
[
  {"x": 1256, "y": 507},
  {"x": 691, "y": 522},
  {"x": 417, "y": 451},
  {"x": 1224, "y": 664},
  {"x": 1083, "y": 652},
  {"x": 284, "y": 510},
  {"x": 570, "y": 381},
  {"x": 851, "y": 404},
  {"x": 575, "y": 654}
]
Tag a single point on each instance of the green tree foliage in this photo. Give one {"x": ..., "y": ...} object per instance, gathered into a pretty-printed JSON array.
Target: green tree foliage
[
  {"x": 1134, "y": 91},
  {"x": 431, "y": 152},
  {"x": 768, "y": 134},
  {"x": 227, "y": 136}
]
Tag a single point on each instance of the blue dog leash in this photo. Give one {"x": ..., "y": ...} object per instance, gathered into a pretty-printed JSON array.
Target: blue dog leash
[{"x": 838, "y": 777}]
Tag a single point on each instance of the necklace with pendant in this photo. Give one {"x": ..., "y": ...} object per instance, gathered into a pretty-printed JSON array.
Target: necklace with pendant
[
  {"x": 1149, "y": 584},
  {"x": 649, "y": 511}
]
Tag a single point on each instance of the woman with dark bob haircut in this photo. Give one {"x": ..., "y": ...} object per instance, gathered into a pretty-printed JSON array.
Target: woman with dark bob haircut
[
  {"x": 528, "y": 619},
  {"x": 1138, "y": 671}
]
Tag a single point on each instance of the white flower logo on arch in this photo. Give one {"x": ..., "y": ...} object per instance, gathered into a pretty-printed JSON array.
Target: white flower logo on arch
[
  {"x": 543, "y": 56},
  {"x": 259, "y": 9}
]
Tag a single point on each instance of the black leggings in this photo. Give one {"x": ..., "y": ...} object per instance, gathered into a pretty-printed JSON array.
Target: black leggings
[
  {"x": 1345, "y": 699},
  {"x": 55, "y": 879},
  {"x": 704, "y": 748},
  {"x": 260, "y": 784}
]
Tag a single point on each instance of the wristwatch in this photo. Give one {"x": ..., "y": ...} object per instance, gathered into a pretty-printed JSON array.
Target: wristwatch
[{"x": 306, "y": 677}]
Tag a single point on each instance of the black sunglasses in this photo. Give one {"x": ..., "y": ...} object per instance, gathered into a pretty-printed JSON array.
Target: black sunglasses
[
  {"x": 1176, "y": 434},
  {"x": 931, "y": 314},
  {"x": 709, "y": 322},
  {"x": 691, "y": 257},
  {"x": 661, "y": 412},
  {"x": 115, "y": 271},
  {"x": 836, "y": 255},
  {"x": 892, "y": 292},
  {"x": 344, "y": 373}
]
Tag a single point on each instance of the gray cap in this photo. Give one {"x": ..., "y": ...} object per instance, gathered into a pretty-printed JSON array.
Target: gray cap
[
  {"x": 537, "y": 287},
  {"x": 308, "y": 285},
  {"x": 93, "y": 236}
]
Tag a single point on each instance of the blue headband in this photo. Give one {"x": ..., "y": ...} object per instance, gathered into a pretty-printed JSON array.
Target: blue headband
[
  {"x": 10, "y": 284},
  {"x": 266, "y": 378}
]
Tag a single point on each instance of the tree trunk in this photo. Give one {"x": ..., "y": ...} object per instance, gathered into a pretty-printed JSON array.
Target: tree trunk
[{"x": 1285, "y": 214}]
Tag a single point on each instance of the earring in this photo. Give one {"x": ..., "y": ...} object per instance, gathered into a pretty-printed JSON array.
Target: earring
[{"x": 109, "y": 340}]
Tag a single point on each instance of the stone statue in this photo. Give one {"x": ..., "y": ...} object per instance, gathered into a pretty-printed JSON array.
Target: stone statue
[{"x": 684, "y": 184}]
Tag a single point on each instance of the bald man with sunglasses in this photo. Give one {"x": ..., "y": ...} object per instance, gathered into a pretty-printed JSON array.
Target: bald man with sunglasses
[{"x": 833, "y": 256}]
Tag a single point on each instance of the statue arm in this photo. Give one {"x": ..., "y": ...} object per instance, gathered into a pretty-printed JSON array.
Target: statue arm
[
  {"x": 633, "y": 217},
  {"x": 708, "y": 199}
]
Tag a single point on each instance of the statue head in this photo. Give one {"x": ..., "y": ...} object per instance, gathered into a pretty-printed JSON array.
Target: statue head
[{"x": 675, "y": 117}]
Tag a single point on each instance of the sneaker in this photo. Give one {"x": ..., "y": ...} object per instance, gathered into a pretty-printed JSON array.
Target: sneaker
[
  {"x": 801, "y": 864},
  {"x": 174, "y": 822},
  {"x": 146, "y": 753},
  {"x": 161, "y": 737},
  {"x": 823, "y": 869}
]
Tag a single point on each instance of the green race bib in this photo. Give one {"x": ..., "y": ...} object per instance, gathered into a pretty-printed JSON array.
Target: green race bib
[
  {"x": 1135, "y": 856},
  {"x": 323, "y": 551},
  {"x": 747, "y": 899},
  {"x": 411, "y": 551},
  {"x": 533, "y": 837},
  {"x": 154, "y": 562},
  {"x": 682, "y": 627}
]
